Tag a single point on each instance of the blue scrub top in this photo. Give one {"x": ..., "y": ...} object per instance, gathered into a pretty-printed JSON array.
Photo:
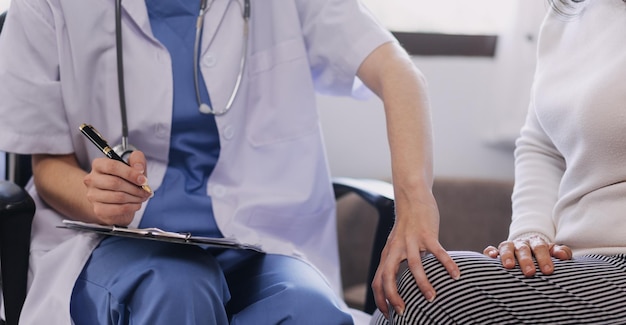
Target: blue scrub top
[{"x": 181, "y": 203}]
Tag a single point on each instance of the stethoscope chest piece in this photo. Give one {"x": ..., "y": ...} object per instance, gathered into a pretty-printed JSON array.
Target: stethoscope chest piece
[{"x": 124, "y": 151}]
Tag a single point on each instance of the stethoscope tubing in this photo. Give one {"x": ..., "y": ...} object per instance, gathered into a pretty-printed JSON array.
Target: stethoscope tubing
[
  {"x": 125, "y": 148},
  {"x": 204, "y": 8},
  {"x": 120, "y": 76}
]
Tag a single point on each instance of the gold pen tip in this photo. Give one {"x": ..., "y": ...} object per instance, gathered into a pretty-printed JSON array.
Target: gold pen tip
[{"x": 147, "y": 189}]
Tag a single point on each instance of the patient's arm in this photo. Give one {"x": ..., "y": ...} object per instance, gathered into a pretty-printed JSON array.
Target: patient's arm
[{"x": 107, "y": 195}]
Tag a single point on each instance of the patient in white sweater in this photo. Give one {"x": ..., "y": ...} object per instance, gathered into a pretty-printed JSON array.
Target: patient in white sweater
[{"x": 564, "y": 261}]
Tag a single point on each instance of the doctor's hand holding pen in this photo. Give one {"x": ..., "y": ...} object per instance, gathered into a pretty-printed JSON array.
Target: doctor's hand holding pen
[
  {"x": 109, "y": 194},
  {"x": 115, "y": 188}
]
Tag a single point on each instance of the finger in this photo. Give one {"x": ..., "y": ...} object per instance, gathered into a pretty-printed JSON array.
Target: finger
[
  {"x": 444, "y": 258},
  {"x": 417, "y": 269},
  {"x": 562, "y": 252},
  {"x": 128, "y": 179},
  {"x": 524, "y": 256},
  {"x": 137, "y": 161},
  {"x": 114, "y": 197},
  {"x": 379, "y": 294},
  {"x": 99, "y": 184},
  {"x": 491, "y": 251},
  {"x": 414, "y": 261},
  {"x": 541, "y": 251},
  {"x": 377, "y": 285},
  {"x": 115, "y": 214},
  {"x": 507, "y": 254},
  {"x": 390, "y": 287},
  {"x": 380, "y": 297},
  {"x": 117, "y": 168}
]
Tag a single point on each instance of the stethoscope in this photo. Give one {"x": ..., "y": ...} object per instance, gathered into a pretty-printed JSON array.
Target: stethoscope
[{"x": 124, "y": 148}]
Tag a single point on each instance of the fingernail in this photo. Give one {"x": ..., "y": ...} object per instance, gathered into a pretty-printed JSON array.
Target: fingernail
[
  {"x": 399, "y": 311},
  {"x": 142, "y": 180},
  {"x": 529, "y": 269},
  {"x": 546, "y": 269},
  {"x": 139, "y": 167},
  {"x": 430, "y": 296},
  {"x": 508, "y": 261},
  {"x": 148, "y": 189},
  {"x": 457, "y": 275}
]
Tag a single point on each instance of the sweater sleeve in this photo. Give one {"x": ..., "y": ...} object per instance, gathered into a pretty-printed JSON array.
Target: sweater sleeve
[{"x": 539, "y": 167}]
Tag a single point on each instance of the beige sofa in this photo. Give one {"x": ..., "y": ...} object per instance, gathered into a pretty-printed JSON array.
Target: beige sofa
[{"x": 474, "y": 213}]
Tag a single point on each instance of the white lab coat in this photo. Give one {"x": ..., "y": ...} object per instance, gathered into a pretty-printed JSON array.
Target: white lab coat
[{"x": 271, "y": 185}]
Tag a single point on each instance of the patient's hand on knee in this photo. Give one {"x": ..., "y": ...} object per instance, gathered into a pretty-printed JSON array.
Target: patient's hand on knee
[{"x": 525, "y": 251}]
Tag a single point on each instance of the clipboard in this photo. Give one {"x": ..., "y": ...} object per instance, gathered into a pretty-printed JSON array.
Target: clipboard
[{"x": 158, "y": 234}]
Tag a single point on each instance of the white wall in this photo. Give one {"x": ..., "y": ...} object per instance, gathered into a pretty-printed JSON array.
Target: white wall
[
  {"x": 478, "y": 106},
  {"x": 461, "y": 93}
]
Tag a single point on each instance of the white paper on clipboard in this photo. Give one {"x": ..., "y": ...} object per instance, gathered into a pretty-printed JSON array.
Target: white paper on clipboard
[{"x": 158, "y": 234}]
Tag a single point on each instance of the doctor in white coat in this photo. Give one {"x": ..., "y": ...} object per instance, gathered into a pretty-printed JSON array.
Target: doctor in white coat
[{"x": 269, "y": 182}]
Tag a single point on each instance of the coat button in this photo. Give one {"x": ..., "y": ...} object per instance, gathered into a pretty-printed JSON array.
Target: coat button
[
  {"x": 209, "y": 60},
  {"x": 162, "y": 131},
  {"x": 218, "y": 191},
  {"x": 228, "y": 132}
]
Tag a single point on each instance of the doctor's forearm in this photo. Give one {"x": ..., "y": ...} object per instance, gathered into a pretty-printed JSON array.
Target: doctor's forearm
[
  {"x": 390, "y": 73},
  {"x": 403, "y": 90},
  {"x": 59, "y": 182}
]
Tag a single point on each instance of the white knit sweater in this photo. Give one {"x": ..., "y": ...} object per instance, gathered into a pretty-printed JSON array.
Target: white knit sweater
[{"x": 571, "y": 154}]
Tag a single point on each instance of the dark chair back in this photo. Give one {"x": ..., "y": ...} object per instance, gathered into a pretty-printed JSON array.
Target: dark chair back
[
  {"x": 18, "y": 168},
  {"x": 16, "y": 214}
]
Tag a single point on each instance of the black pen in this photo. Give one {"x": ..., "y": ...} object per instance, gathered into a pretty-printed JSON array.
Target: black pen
[{"x": 96, "y": 138}]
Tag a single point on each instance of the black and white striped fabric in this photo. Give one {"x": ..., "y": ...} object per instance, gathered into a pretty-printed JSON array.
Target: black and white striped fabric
[{"x": 586, "y": 290}]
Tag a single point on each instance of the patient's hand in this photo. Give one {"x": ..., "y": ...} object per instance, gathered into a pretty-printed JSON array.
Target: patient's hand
[
  {"x": 523, "y": 250},
  {"x": 113, "y": 188}
]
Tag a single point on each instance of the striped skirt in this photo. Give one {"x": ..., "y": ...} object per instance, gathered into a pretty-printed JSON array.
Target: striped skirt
[{"x": 589, "y": 289}]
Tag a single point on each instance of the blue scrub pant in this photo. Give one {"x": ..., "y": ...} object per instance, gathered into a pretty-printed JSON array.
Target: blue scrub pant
[{"x": 134, "y": 281}]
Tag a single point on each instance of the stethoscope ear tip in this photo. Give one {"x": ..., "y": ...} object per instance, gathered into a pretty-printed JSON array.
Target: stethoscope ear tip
[{"x": 205, "y": 109}]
